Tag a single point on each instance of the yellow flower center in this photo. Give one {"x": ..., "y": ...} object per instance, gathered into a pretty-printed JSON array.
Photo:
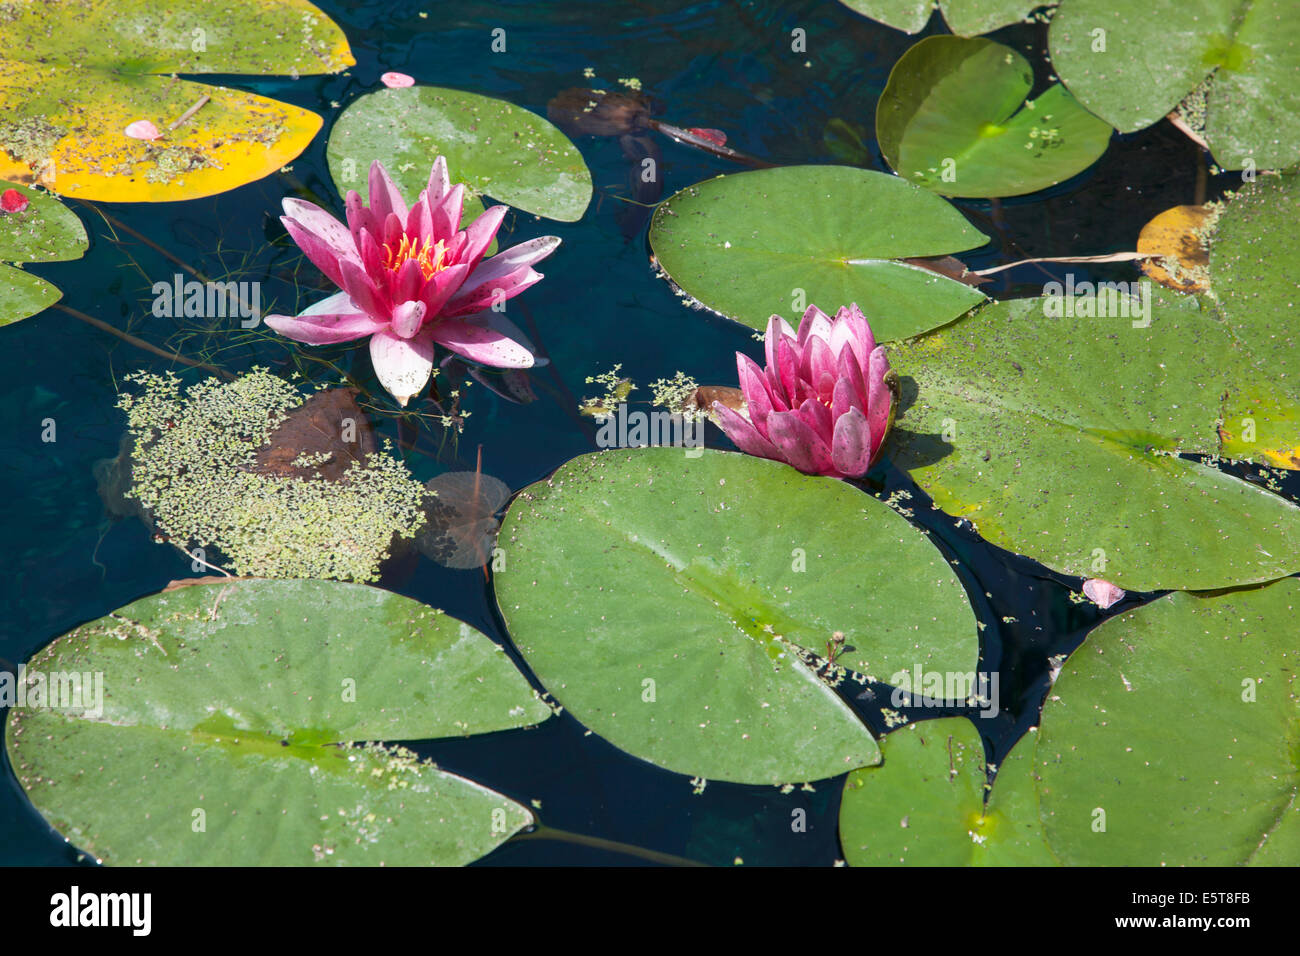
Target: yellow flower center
[{"x": 430, "y": 255}]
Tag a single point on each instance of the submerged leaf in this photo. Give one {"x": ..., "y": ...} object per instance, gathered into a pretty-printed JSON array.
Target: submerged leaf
[{"x": 461, "y": 530}]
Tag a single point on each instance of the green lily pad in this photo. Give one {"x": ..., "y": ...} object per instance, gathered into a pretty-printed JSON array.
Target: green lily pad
[
  {"x": 954, "y": 118},
  {"x": 75, "y": 74},
  {"x": 232, "y": 723},
  {"x": 964, "y": 17},
  {"x": 771, "y": 241},
  {"x": 1132, "y": 64},
  {"x": 495, "y": 148},
  {"x": 46, "y": 231},
  {"x": 1058, "y": 438},
  {"x": 663, "y": 599},
  {"x": 1257, "y": 291},
  {"x": 1172, "y": 736},
  {"x": 925, "y": 804}
]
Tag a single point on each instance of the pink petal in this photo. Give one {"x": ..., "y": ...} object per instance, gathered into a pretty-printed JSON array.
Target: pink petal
[
  {"x": 402, "y": 365},
  {"x": 359, "y": 217},
  {"x": 13, "y": 201},
  {"x": 814, "y": 322},
  {"x": 407, "y": 282},
  {"x": 143, "y": 129},
  {"x": 851, "y": 449},
  {"x": 798, "y": 444},
  {"x": 845, "y": 397},
  {"x": 879, "y": 397},
  {"x": 510, "y": 272},
  {"x": 321, "y": 237},
  {"x": 496, "y": 320},
  {"x": 407, "y": 318},
  {"x": 439, "y": 182},
  {"x": 1102, "y": 593},
  {"x": 479, "y": 235},
  {"x": 483, "y": 345},
  {"x": 852, "y": 329},
  {"x": 743, "y": 434},
  {"x": 328, "y": 322},
  {"x": 419, "y": 221},
  {"x": 777, "y": 328},
  {"x": 753, "y": 385},
  {"x": 369, "y": 298},
  {"x": 397, "y": 81},
  {"x": 818, "y": 367},
  {"x": 444, "y": 215},
  {"x": 442, "y": 287},
  {"x": 385, "y": 198},
  {"x": 783, "y": 375},
  {"x": 818, "y": 417},
  {"x": 715, "y": 136}
]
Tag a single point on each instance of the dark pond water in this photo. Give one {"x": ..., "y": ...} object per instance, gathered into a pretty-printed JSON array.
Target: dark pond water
[{"x": 723, "y": 65}]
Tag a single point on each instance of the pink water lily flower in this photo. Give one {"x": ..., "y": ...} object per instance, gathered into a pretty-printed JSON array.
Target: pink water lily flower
[
  {"x": 826, "y": 400},
  {"x": 412, "y": 279}
]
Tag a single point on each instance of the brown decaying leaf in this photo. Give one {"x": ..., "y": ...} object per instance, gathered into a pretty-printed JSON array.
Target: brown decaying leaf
[
  {"x": 580, "y": 111},
  {"x": 704, "y": 397},
  {"x": 462, "y": 525},
  {"x": 949, "y": 266},
  {"x": 1175, "y": 241},
  {"x": 205, "y": 579},
  {"x": 316, "y": 427}
]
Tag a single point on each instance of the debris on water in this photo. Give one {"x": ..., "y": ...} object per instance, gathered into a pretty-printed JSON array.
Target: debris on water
[{"x": 1102, "y": 593}]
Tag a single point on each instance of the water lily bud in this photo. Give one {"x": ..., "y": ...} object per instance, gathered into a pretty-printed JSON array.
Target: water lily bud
[{"x": 826, "y": 400}]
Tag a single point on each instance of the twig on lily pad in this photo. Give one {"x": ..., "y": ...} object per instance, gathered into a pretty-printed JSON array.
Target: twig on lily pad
[
  {"x": 191, "y": 111},
  {"x": 1111, "y": 257}
]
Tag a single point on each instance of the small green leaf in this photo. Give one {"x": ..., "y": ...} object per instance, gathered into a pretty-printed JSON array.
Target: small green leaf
[
  {"x": 954, "y": 118},
  {"x": 925, "y": 806},
  {"x": 753, "y": 244},
  {"x": 46, "y": 231},
  {"x": 496, "y": 148}
]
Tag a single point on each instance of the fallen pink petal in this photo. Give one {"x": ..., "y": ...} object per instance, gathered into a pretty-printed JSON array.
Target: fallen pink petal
[
  {"x": 824, "y": 403},
  {"x": 412, "y": 279},
  {"x": 715, "y": 136},
  {"x": 13, "y": 201},
  {"x": 1102, "y": 593},
  {"x": 397, "y": 81},
  {"x": 143, "y": 129}
]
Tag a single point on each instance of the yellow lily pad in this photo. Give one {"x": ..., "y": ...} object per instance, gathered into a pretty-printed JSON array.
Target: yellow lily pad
[
  {"x": 74, "y": 74},
  {"x": 1177, "y": 241}
]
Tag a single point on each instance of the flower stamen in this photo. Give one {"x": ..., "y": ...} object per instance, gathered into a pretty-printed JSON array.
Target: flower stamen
[{"x": 431, "y": 256}]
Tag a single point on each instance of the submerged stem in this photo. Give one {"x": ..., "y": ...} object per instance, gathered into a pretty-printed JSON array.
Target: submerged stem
[
  {"x": 140, "y": 343},
  {"x": 543, "y": 832}
]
